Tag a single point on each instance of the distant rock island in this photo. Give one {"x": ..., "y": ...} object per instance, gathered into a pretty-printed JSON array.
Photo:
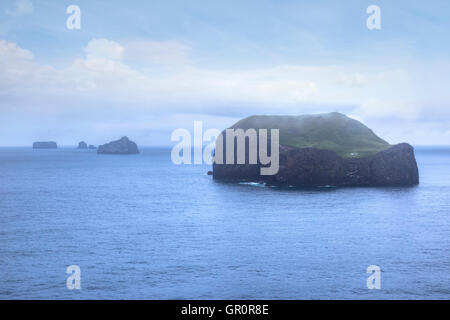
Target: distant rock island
[
  {"x": 82, "y": 145},
  {"x": 45, "y": 145},
  {"x": 92, "y": 147},
  {"x": 122, "y": 146},
  {"x": 325, "y": 149}
]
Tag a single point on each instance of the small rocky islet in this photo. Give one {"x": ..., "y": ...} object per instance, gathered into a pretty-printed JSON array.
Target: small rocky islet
[
  {"x": 45, "y": 145},
  {"x": 121, "y": 146},
  {"x": 82, "y": 145},
  {"x": 324, "y": 150}
]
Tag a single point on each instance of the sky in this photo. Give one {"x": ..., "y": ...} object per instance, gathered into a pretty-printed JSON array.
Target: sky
[{"x": 145, "y": 68}]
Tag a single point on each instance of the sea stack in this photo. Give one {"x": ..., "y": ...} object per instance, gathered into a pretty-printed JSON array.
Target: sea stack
[
  {"x": 121, "y": 146},
  {"x": 45, "y": 145},
  {"x": 323, "y": 150},
  {"x": 82, "y": 145},
  {"x": 92, "y": 147}
]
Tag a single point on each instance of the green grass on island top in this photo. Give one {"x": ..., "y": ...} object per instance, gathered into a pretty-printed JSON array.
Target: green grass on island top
[{"x": 330, "y": 131}]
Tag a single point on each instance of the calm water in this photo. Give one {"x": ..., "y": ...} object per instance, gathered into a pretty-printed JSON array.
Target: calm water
[{"x": 140, "y": 227}]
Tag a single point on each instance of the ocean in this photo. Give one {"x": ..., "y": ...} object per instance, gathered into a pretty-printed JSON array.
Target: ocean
[{"x": 140, "y": 227}]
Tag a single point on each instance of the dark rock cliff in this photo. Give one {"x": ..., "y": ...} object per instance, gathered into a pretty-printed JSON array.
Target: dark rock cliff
[{"x": 308, "y": 167}]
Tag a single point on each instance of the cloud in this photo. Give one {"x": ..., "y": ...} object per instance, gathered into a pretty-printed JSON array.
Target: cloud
[
  {"x": 388, "y": 109},
  {"x": 105, "y": 85},
  {"x": 21, "y": 7},
  {"x": 168, "y": 53},
  {"x": 104, "y": 49},
  {"x": 353, "y": 80},
  {"x": 11, "y": 51},
  {"x": 104, "y": 74},
  {"x": 19, "y": 74}
]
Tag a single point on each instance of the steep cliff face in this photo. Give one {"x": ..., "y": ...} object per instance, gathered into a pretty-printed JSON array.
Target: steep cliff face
[
  {"x": 308, "y": 167},
  {"x": 395, "y": 166},
  {"x": 392, "y": 167},
  {"x": 311, "y": 166}
]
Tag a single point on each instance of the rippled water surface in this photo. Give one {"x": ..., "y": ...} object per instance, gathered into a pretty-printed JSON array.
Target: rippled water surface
[{"x": 140, "y": 227}]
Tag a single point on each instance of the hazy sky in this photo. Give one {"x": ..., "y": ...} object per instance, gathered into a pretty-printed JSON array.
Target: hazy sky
[{"x": 145, "y": 68}]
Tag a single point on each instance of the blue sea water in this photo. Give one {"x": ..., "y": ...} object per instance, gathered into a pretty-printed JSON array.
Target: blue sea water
[{"x": 141, "y": 227}]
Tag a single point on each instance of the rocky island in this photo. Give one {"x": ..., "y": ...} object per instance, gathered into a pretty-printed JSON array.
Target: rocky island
[
  {"x": 121, "y": 146},
  {"x": 324, "y": 150},
  {"x": 45, "y": 145},
  {"x": 82, "y": 145}
]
